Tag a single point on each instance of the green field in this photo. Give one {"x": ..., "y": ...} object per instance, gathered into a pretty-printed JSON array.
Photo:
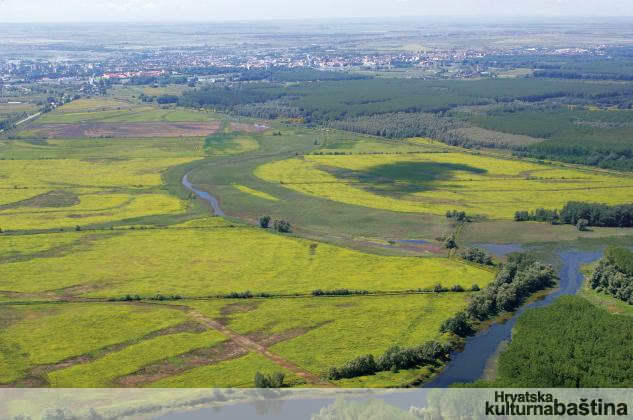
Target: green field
[
  {"x": 435, "y": 183},
  {"x": 114, "y": 274},
  {"x": 87, "y": 221},
  {"x": 217, "y": 261}
]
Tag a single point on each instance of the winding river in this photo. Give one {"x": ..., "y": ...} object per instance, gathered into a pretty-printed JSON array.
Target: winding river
[
  {"x": 469, "y": 365},
  {"x": 214, "y": 202}
]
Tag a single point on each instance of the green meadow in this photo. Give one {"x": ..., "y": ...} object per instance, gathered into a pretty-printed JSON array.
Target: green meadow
[{"x": 112, "y": 273}]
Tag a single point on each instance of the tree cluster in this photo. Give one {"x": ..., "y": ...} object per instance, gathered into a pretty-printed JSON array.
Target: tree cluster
[
  {"x": 597, "y": 214},
  {"x": 476, "y": 255},
  {"x": 614, "y": 274},
  {"x": 282, "y": 226},
  {"x": 460, "y": 216},
  {"x": 538, "y": 215},
  {"x": 582, "y": 215}
]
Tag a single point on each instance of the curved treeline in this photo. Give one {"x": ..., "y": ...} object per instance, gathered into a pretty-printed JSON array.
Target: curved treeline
[
  {"x": 519, "y": 277},
  {"x": 594, "y": 214},
  {"x": 614, "y": 274},
  {"x": 395, "y": 358}
]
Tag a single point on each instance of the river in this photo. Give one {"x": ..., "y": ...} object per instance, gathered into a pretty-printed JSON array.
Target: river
[
  {"x": 470, "y": 364},
  {"x": 214, "y": 202}
]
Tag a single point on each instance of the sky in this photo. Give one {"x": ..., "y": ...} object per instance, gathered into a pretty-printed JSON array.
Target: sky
[{"x": 229, "y": 10}]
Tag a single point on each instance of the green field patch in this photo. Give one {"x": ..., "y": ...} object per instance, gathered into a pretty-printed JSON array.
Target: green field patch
[
  {"x": 337, "y": 329},
  {"x": 235, "y": 373},
  {"x": 45, "y": 334},
  {"x": 256, "y": 193},
  {"x": 479, "y": 184},
  {"x": 56, "y": 198},
  {"x": 105, "y": 370},
  {"x": 94, "y": 207},
  {"x": 123, "y": 113},
  {"x": 207, "y": 262},
  {"x": 229, "y": 142}
]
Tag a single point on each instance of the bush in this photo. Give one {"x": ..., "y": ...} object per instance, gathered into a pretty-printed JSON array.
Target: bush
[
  {"x": 458, "y": 325},
  {"x": 276, "y": 380},
  {"x": 450, "y": 242},
  {"x": 282, "y": 226},
  {"x": 264, "y": 222},
  {"x": 476, "y": 255}
]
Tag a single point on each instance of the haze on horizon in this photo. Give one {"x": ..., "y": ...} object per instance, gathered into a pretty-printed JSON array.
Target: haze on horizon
[{"x": 231, "y": 10}]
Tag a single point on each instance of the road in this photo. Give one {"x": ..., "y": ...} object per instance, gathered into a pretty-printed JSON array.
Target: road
[{"x": 29, "y": 118}]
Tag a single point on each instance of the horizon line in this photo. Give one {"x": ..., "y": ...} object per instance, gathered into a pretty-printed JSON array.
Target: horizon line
[{"x": 321, "y": 19}]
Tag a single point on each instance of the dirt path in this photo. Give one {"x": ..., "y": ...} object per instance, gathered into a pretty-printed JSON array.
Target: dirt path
[{"x": 251, "y": 345}]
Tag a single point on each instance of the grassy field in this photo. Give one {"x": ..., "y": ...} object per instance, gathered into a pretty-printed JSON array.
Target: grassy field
[
  {"x": 41, "y": 334},
  {"x": 136, "y": 239},
  {"x": 105, "y": 370},
  {"x": 235, "y": 373},
  {"x": 208, "y": 262},
  {"x": 63, "y": 193},
  {"x": 69, "y": 311},
  {"x": 342, "y": 328},
  {"x": 437, "y": 182}
]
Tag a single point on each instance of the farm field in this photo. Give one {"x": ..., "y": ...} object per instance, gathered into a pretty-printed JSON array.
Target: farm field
[
  {"x": 166, "y": 346},
  {"x": 439, "y": 182},
  {"x": 89, "y": 224},
  {"x": 64, "y": 193},
  {"x": 212, "y": 261},
  {"x": 113, "y": 274}
]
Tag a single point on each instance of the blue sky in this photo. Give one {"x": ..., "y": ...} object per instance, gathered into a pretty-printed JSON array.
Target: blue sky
[{"x": 221, "y": 10}]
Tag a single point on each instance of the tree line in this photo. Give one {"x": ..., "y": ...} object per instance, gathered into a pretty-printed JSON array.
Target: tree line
[
  {"x": 582, "y": 214},
  {"x": 394, "y": 359},
  {"x": 519, "y": 277}
]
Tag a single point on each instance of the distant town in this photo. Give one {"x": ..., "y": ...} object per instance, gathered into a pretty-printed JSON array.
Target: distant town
[{"x": 209, "y": 65}]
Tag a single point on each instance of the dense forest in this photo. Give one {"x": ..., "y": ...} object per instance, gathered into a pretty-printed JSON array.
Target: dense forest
[
  {"x": 583, "y": 346},
  {"x": 569, "y": 120}
]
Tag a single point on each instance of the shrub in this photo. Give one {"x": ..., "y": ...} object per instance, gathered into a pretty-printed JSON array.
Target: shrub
[
  {"x": 282, "y": 226},
  {"x": 458, "y": 325},
  {"x": 264, "y": 222},
  {"x": 276, "y": 380}
]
